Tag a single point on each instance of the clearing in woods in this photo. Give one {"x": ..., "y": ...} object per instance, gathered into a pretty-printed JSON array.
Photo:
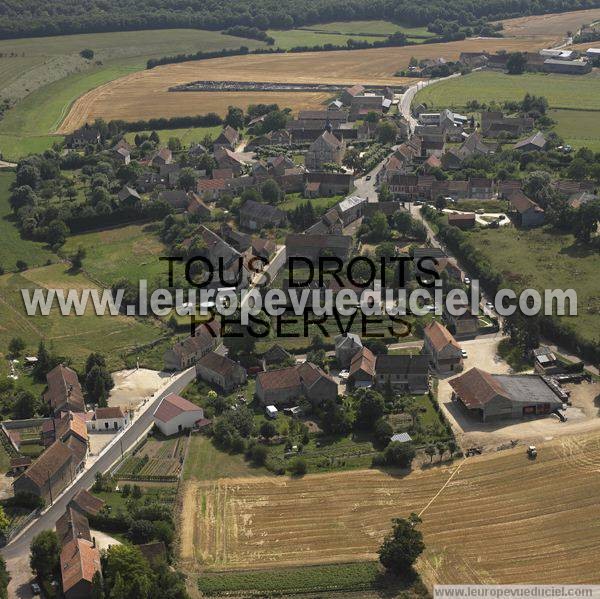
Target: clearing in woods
[
  {"x": 500, "y": 516},
  {"x": 146, "y": 94}
]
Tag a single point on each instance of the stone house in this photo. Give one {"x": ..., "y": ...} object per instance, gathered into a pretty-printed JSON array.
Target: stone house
[
  {"x": 220, "y": 371},
  {"x": 325, "y": 149},
  {"x": 442, "y": 349}
]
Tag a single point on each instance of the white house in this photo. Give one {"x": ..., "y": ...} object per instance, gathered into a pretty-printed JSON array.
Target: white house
[
  {"x": 175, "y": 414},
  {"x": 108, "y": 419}
]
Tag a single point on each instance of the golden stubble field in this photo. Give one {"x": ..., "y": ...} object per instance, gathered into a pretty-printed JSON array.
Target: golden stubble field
[
  {"x": 555, "y": 25},
  {"x": 498, "y": 518},
  {"x": 145, "y": 94}
]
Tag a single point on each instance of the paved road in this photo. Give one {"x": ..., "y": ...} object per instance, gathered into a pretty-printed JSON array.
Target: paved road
[
  {"x": 19, "y": 546},
  {"x": 409, "y": 95}
]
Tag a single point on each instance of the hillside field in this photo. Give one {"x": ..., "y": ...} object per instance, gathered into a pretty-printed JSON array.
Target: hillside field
[
  {"x": 491, "y": 86},
  {"x": 553, "y": 24},
  {"x": 526, "y": 511},
  {"x": 145, "y": 94},
  {"x": 48, "y": 75}
]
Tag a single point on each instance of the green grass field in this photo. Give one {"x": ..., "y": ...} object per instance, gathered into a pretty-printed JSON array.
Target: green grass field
[
  {"x": 205, "y": 462},
  {"x": 38, "y": 61},
  {"x": 187, "y": 136},
  {"x": 542, "y": 260},
  {"x": 131, "y": 252},
  {"x": 12, "y": 247},
  {"x": 71, "y": 336},
  {"x": 580, "y": 128},
  {"x": 562, "y": 91},
  {"x": 368, "y": 27},
  {"x": 290, "y": 38}
]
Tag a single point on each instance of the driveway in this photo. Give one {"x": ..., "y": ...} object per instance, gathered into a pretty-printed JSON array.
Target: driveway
[{"x": 482, "y": 353}]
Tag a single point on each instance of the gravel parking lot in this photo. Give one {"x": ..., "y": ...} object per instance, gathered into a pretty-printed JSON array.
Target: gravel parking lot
[{"x": 582, "y": 416}]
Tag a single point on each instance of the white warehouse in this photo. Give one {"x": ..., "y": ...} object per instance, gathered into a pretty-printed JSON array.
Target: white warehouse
[{"x": 176, "y": 414}]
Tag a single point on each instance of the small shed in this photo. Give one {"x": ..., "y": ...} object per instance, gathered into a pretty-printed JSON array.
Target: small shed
[{"x": 400, "y": 438}]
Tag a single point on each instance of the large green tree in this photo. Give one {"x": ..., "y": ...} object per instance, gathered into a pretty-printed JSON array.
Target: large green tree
[
  {"x": 402, "y": 546},
  {"x": 45, "y": 554}
]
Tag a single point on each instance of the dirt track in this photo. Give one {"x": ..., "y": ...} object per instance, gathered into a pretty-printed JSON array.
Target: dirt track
[
  {"x": 145, "y": 94},
  {"x": 499, "y": 519}
]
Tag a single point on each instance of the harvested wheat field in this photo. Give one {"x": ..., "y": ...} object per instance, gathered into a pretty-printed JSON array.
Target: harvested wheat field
[
  {"x": 555, "y": 25},
  {"x": 145, "y": 94},
  {"x": 492, "y": 519}
]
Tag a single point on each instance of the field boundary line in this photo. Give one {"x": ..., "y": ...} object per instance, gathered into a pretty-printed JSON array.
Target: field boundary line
[{"x": 443, "y": 487}]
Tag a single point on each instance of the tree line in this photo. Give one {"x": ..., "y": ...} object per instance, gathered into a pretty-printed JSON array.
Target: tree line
[{"x": 28, "y": 18}]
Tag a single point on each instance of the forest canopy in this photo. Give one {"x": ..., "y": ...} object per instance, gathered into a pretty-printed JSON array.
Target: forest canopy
[{"x": 22, "y": 18}]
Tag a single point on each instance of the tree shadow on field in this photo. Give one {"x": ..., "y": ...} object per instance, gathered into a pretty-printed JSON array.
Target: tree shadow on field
[{"x": 389, "y": 586}]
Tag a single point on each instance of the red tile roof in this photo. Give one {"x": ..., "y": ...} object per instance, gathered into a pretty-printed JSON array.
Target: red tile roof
[
  {"x": 108, "y": 412},
  {"x": 173, "y": 405},
  {"x": 86, "y": 502},
  {"x": 273, "y": 380},
  {"x": 439, "y": 336},
  {"x": 477, "y": 387},
  {"x": 49, "y": 463},
  {"x": 79, "y": 560},
  {"x": 64, "y": 389},
  {"x": 363, "y": 360}
]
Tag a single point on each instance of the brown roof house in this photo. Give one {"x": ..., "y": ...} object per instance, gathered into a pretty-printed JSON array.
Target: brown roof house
[
  {"x": 187, "y": 352},
  {"x": 50, "y": 474},
  {"x": 403, "y": 372},
  {"x": 228, "y": 138},
  {"x": 362, "y": 368},
  {"x": 491, "y": 397},
  {"x": 79, "y": 557},
  {"x": 528, "y": 213},
  {"x": 64, "y": 392},
  {"x": 162, "y": 157},
  {"x": 327, "y": 148},
  {"x": 71, "y": 429},
  {"x": 315, "y": 246},
  {"x": 462, "y": 220},
  {"x": 108, "y": 419},
  {"x": 254, "y": 216},
  {"x": 442, "y": 348},
  {"x": 287, "y": 385},
  {"x": 221, "y": 371}
]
